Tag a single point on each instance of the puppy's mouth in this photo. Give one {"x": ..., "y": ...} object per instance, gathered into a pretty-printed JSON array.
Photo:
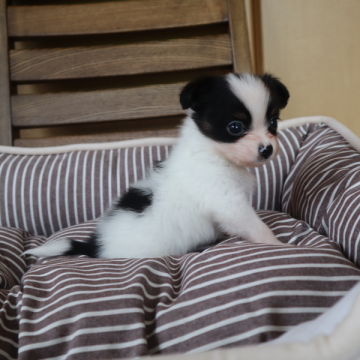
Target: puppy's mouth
[
  {"x": 246, "y": 152},
  {"x": 258, "y": 162},
  {"x": 261, "y": 160}
]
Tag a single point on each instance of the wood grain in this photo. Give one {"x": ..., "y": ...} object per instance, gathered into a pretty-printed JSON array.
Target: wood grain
[
  {"x": 67, "y": 140},
  {"x": 93, "y": 106},
  {"x": 239, "y": 36},
  {"x": 256, "y": 33},
  {"x": 5, "y": 115},
  {"x": 97, "y": 61},
  {"x": 113, "y": 17}
]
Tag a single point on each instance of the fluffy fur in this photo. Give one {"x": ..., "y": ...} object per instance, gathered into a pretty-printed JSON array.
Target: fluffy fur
[{"x": 202, "y": 190}]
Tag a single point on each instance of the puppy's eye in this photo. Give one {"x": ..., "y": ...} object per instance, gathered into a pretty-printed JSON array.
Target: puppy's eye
[
  {"x": 273, "y": 123},
  {"x": 235, "y": 128}
]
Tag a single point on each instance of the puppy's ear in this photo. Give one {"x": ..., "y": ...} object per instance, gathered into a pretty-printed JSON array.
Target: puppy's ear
[
  {"x": 278, "y": 90},
  {"x": 195, "y": 90}
]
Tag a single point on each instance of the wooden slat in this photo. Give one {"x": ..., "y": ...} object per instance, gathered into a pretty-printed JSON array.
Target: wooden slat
[
  {"x": 93, "y": 106},
  {"x": 256, "y": 33},
  {"x": 148, "y": 57},
  {"x": 239, "y": 36},
  {"x": 5, "y": 115},
  {"x": 67, "y": 140},
  {"x": 113, "y": 17}
]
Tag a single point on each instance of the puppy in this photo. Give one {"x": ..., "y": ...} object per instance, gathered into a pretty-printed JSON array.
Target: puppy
[{"x": 202, "y": 190}]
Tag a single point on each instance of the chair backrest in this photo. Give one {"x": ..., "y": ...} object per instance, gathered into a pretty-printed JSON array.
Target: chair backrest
[{"x": 122, "y": 62}]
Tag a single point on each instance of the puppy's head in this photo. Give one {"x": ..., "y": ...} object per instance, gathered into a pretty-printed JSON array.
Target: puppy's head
[{"x": 239, "y": 113}]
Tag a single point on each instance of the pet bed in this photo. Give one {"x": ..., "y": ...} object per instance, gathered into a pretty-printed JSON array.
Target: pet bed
[{"x": 232, "y": 294}]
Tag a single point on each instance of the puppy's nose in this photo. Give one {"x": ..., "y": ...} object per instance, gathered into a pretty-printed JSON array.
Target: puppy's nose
[{"x": 265, "y": 151}]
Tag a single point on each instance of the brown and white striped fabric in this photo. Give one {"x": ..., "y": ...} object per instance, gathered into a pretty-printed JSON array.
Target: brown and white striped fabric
[
  {"x": 9, "y": 321},
  {"x": 270, "y": 177},
  {"x": 13, "y": 242},
  {"x": 233, "y": 293},
  {"x": 323, "y": 189},
  {"x": 13, "y": 266},
  {"x": 46, "y": 193}
]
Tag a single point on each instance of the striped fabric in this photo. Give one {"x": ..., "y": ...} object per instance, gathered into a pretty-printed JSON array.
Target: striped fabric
[
  {"x": 9, "y": 322},
  {"x": 270, "y": 177},
  {"x": 323, "y": 189},
  {"x": 233, "y": 293},
  {"x": 46, "y": 193},
  {"x": 13, "y": 265},
  {"x": 13, "y": 242}
]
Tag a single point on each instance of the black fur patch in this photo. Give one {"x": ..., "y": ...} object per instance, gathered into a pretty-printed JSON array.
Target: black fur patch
[
  {"x": 279, "y": 97},
  {"x": 134, "y": 199},
  {"x": 215, "y": 106},
  {"x": 90, "y": 248},
  {"x": 272, "y": 112},
  {"x": 278, "y": 91}
]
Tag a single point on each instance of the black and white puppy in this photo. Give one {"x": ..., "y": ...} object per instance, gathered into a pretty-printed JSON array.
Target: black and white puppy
[{"x": 202, "y": 190}]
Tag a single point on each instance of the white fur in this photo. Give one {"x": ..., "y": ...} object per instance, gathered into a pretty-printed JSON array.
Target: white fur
[
  {"x": 201, "y": 192},
  {"x": 253, "y": 93},
  {"x": 198, "y": 195},
  {"x": 51, "y": 249}
]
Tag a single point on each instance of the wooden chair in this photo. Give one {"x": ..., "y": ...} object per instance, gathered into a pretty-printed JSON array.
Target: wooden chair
[{"x": 110, "y": 67}]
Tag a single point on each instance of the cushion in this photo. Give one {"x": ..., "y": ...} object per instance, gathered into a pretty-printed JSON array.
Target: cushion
[
  {"x": 46, "y": 193},
  {"x": 323, "y": 189},
  {"x": 234, "y": 293},
  {"x": 10, "y": 302},
  {"x": 13, "y": 264},
  {"x": 271, "y": 176}
]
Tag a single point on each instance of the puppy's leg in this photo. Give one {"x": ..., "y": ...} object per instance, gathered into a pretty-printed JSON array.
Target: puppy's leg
[
  {"x": 261, "y": 233},
  {"x": 248, "y": 225}
]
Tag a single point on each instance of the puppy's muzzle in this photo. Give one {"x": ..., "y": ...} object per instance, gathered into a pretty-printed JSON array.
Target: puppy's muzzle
[{"x": 265, "y": 151}]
